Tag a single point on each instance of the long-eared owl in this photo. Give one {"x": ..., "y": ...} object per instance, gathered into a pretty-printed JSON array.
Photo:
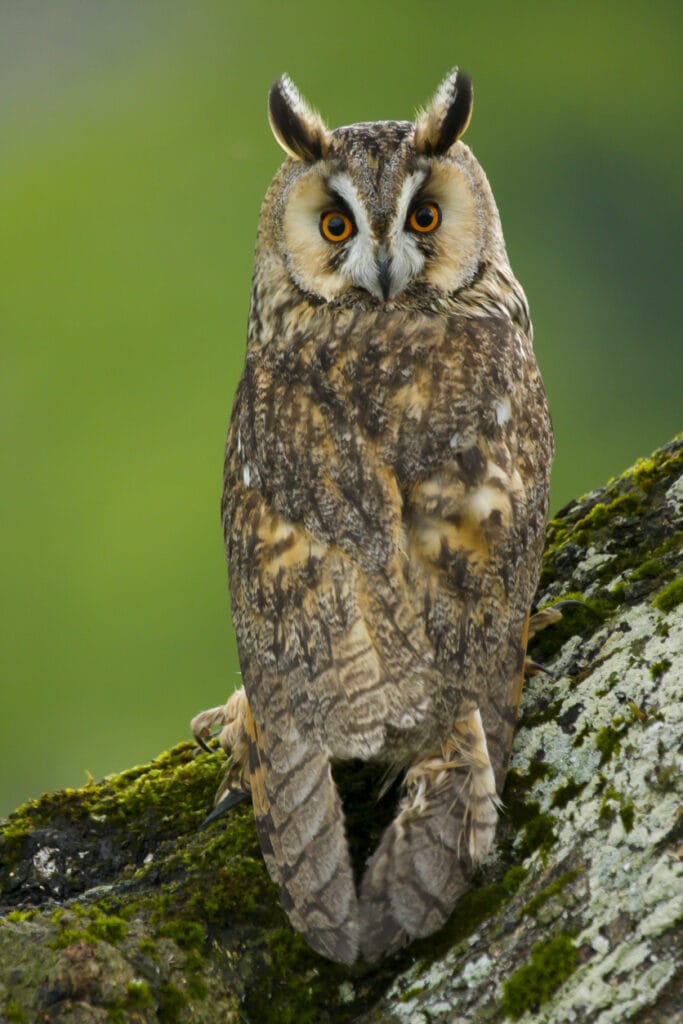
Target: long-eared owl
[{"x": 384, "y": 504}]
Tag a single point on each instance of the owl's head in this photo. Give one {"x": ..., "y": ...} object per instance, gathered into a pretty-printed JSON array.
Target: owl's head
[{"x": 391, "y": 209}]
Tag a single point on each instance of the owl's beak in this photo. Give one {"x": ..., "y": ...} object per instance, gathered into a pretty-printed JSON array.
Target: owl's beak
[{"x": 384, "y": 271}]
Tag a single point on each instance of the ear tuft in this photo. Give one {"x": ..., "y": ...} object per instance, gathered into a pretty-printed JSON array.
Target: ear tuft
[
  {"x": 299, "y": 129},
  {"x": 447, "y": 116}
]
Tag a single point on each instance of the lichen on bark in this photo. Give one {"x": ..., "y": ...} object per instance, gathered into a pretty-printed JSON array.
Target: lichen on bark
[{"x": 116, "y": 907}]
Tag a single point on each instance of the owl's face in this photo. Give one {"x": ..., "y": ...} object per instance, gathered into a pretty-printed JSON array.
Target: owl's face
[{"x": 388, "y": 208}]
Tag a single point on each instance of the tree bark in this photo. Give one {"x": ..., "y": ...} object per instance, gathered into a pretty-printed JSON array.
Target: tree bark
[{"x": 117, "y": 907}]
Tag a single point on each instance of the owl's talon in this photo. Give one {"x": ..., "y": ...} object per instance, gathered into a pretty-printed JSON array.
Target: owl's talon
[
  {"x": 203, "y": 745},
  {"x": 227, "y": 722},
  {"x": 533, "y": 668},
  {"x": 539, "y": 621},
  {"x": 230, "y": 800}
]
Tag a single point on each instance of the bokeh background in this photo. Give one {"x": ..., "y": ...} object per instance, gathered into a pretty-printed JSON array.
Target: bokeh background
[{"x": 134, "y": 153}]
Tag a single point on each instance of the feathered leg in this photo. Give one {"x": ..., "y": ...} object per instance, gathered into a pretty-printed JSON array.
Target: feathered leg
[
  {"x": 230, "y": 718},
  {"x": 445, "y": 825}
]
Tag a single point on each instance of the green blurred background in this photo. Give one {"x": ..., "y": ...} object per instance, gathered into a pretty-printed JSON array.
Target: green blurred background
[{"x": 134, "y": 153}]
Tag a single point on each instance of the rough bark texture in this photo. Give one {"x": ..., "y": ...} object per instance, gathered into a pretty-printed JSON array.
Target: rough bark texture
[{"x": 115, "y": 907}]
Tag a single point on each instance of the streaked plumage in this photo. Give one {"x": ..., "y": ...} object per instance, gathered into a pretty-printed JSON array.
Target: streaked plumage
[{"x": 386, "y": 483}]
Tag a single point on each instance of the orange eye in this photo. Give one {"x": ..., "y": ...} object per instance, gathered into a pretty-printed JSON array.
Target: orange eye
[
  {"x": 425, "y": 217},
  {"x": 335, "y": 226}
]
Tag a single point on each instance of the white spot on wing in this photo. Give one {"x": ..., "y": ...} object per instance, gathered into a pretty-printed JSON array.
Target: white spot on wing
[
  {"x": 246, "y": 475},
  {"x": 503, "y": 410},
  {"x": 481, "y": 503},
  {"x": 455, "y": 440}
]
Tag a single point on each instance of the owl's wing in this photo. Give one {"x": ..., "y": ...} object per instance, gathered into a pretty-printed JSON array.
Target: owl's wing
[{"x": 474, "y": 554}]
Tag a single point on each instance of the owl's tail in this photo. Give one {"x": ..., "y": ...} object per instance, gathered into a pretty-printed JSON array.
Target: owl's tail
[{"x": 300, "y": 824}]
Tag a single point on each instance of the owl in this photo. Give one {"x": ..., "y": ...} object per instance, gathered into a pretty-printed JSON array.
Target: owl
[{"x": 384, "y": 504}]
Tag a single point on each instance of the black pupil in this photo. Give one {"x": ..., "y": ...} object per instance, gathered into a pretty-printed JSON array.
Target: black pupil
[
  {"x": 424, "y": 217},
  {"x": 336, "y": 226}
]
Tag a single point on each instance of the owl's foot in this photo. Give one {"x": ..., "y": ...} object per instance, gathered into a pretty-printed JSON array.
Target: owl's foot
[
  {"x": 465, "y": 749},
  {"x": 420, "y": 868},
  {"x": 468, "y": 742},
  {"x": 230, "y": 719}
]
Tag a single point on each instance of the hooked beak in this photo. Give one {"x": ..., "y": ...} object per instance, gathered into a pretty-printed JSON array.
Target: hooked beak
[{"x": 384, "y": 271}]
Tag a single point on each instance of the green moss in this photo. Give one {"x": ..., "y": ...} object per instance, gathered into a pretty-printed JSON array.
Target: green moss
[
  {"x": 609, "y": 738},
  {"x": 533, "y": 829},
  {"x": 614, "y": 803},
  {"x": 172, "y": 1002},
  {"x": 286, "y": 984},
  {"x": 625, "y": 524},
  {"x": 69, "y": 937},
  {"x": 532, "y": 984},
  {"x": 476, "y": 905},
  {"x": 410, "y": 993},
  {"x": 197, "y": 987},
  {"x": 13, "y": 1012},
  {"x": 541, "y": 898},
  {"x": 658, "y": 668},
  {"x": 564, "y": 794},
  {"x": 531, "y": 719},
  {"x": 539, "y": 834},
  {"x": 106, "y": 926},
  {"x": 164, "y": 799},
  {"x": 650, "y": 569},
  {"x": 16, "y": 916},
  {"x": 666, "y": 777},
  {"x": 95, "y": 926},
  {"x": 627, "y": 815},
  {"x": 608, "y": 742},
  {"x": 635, "y": 712},
  {"x": 138, "y": 994},
  {"x": 662, "y": 466},
  {"x": 187, "y": 934},
  {"x": 538, "y": 770},
  {"x": 670, "y": 597},
  {"x": 602, "y": 515}
]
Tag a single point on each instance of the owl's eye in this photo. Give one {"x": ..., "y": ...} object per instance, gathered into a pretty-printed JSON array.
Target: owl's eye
[
  {"x": 425, "y": 217},
  {"x": 335, "y": 226}
]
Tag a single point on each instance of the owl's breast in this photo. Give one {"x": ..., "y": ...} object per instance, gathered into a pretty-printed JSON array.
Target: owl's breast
[
  {"x": 422, "y": 389},
  {"x": 337, "y": 422}
]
